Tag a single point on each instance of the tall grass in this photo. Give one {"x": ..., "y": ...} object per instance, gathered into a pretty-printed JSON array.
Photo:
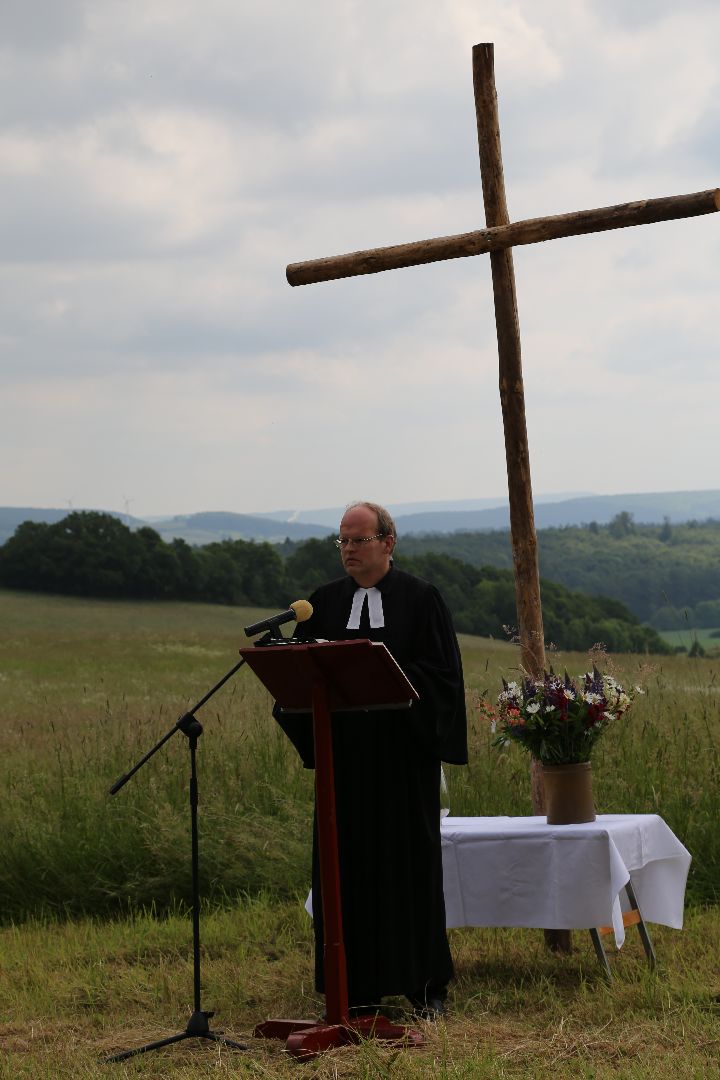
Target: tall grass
[{"x": 87, "y": 688}]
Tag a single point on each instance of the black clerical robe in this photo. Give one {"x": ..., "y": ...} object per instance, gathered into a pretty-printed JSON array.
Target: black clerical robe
[{"x": 387, "y": 779}]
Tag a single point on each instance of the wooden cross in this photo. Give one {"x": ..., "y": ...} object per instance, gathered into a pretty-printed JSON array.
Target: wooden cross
[{"x": 498, "y": 239}]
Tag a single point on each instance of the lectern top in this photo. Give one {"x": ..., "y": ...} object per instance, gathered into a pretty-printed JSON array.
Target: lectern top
[{"x": 358, "y": 674}]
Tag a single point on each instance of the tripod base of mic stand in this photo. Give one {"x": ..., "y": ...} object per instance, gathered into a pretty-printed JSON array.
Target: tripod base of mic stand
[
  {"x": 198, "y": 1028},
  {"x": 306, "y": 1039}
]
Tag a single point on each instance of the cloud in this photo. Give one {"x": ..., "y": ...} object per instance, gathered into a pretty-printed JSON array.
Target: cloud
[
  {"x": 41, "y": 27},
  {"x": 157, "y": 173}
]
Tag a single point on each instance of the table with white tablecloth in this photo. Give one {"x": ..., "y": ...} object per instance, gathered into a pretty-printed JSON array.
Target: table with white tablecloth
[{"x": 520, "y": 871}]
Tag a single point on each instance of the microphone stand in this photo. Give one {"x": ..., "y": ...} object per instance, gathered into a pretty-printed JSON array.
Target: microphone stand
[{"x": 198, "y": 1026}]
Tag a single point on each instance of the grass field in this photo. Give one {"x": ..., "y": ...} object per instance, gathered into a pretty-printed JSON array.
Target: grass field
[
  {"x": 95, "y": 952},
  {"x": 708, "y": 637}
]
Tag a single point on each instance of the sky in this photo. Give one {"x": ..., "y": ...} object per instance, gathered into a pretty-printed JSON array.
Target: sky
[{"x": 162, "y": 161}]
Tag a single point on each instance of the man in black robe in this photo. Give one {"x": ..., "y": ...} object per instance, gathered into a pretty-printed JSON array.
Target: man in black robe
[{"x": 387, "y": 774}]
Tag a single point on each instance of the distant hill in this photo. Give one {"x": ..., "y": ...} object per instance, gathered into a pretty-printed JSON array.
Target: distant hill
[
  {"x": 12, "y": 516},
  {"x": 210, "y": 526},
  {"x": 646, "y": 509},
  {"x": 203, "y": 528},
  {"x": 551, "y": 511},
  {"x": 330, "y": 515},
  {"x": 442, "y": 516}
]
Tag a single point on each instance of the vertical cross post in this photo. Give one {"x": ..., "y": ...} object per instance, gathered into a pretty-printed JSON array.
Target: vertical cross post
[
  {"x": 512, "y": 395},
  {"x": 512, "y": 399}
]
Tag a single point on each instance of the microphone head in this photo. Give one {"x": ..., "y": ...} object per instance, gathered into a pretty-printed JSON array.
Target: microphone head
[{"x": 303, "y": 610}]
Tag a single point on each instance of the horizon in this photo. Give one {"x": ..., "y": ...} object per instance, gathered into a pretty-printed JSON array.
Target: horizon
[{"x": 490, "y": 503}]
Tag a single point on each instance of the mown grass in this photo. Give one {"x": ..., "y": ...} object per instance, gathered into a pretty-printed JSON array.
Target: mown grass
[
  {"x": 77, "y": 991},
  {"x": 96, "y": 950}
]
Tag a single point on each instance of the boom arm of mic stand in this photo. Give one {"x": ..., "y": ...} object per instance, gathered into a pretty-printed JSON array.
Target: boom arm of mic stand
[{"x": 180, "y": 725}]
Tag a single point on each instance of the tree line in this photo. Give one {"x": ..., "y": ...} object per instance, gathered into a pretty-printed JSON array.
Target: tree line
[{"x": 96, "y": 555}]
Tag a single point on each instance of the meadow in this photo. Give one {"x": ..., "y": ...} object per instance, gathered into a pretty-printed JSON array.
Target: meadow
[
  {"x": 95, "y": 941},
  {"x": 708, "y": 637}
]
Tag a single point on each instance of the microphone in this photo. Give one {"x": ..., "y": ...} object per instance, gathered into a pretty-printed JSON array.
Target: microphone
[{"x": 301, "y": 610}]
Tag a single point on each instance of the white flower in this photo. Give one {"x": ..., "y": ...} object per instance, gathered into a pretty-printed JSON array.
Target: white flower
[
  {"x": 533, "y": 707},
  {"x": 511, "y": 695}
]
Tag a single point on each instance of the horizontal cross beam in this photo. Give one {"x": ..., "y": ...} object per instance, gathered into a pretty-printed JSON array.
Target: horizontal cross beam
[{"x": 529, "y": 231}]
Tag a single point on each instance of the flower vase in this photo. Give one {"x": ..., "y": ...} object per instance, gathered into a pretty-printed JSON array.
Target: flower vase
[{"x": 568, "y": 793}]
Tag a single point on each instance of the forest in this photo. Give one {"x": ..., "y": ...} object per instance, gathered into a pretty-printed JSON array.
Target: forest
[
  {"x": 668, "y": 575},
  {"x": 96, "y": 555}
]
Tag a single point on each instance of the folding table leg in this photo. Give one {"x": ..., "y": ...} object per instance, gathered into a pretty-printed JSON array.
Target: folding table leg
[
  {"x": 600, "y": 953},
  {"x": 642, "y": 929},
  {"x": 633, "y": 917}
]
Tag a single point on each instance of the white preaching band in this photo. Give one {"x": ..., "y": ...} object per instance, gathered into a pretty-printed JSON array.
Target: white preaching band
[{"x": 375, "y": 609}]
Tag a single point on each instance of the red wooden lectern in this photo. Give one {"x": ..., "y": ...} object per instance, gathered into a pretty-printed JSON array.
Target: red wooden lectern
[{"x": 328, "y": 677}]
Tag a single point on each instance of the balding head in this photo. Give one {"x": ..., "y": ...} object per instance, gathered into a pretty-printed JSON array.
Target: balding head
[{"x": 370, "y": 532}]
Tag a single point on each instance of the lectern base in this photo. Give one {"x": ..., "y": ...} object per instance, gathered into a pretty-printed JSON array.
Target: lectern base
[{"x": 306, "y": 1038}]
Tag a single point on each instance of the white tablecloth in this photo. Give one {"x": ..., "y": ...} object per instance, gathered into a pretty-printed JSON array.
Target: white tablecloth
[{"x": 520, "y": 871}]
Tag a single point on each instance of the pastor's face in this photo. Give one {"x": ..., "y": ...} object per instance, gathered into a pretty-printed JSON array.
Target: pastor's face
[{"x": 368, "y": 562}]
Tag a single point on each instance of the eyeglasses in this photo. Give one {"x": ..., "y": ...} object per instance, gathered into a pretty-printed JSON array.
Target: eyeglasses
[{"x": 343, "y": 541}]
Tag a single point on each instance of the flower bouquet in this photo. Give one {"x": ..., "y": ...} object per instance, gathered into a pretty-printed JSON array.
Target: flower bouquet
[{"x": 558, "y": 721}]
